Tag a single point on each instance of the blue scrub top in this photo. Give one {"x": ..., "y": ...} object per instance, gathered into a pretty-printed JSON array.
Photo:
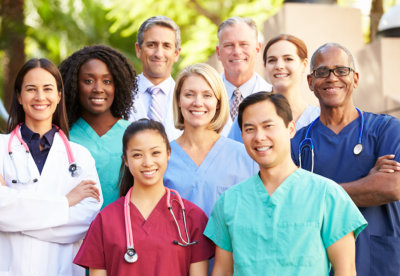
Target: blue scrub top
[{"x": 378, "y": 246}]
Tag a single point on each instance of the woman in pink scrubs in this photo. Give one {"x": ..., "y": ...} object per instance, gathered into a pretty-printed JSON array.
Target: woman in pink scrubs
[{"x": 160, "y": 244}]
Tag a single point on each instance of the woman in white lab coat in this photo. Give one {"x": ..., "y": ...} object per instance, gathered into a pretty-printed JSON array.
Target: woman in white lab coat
[{"x": 51, "y": 190}]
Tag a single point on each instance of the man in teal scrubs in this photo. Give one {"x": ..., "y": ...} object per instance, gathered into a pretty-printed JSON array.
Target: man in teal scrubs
[{"x": 283, "y": 220}]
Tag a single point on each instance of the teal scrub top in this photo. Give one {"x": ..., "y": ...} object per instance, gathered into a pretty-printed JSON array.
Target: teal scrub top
[
  {"x": 286, "y": 233},
  {"x": 106, "y": 151}
]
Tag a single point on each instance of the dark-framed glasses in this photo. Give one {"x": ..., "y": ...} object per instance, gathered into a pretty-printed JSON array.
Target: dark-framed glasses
[{"x": 324, "y": 72}]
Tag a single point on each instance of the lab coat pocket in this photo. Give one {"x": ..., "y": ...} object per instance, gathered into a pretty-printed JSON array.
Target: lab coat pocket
[
  {"x": 299, "y": 243},
  {"x": 385, "y": 248}
]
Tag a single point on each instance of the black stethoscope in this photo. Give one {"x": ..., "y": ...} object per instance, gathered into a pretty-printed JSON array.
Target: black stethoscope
[
  {"x": 358, "y": 148},
  {"x": 73, "y": 168},
  {"x": 131, "y": 255}
]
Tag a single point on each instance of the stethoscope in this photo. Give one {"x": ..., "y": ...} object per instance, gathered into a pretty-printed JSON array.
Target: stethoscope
[
  {"x": 358, "y": 148},
  {"x": 131, "y": 255},
  {"x": 73, "y": 168}
]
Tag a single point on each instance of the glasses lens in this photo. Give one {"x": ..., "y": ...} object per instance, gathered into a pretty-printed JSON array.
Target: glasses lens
[
  {"x": 342, "y": 71},
  {"x": 321, "y": 72}
]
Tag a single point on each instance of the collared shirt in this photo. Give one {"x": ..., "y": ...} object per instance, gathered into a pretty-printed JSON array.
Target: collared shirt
[
  {"x": 33, "y": 139},
  {"x": 255, "y": 84},
  {"x": 143, "y": 99}
]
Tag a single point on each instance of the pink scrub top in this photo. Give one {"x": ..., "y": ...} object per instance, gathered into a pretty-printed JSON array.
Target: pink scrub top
[{"x": 104, "y": 246}]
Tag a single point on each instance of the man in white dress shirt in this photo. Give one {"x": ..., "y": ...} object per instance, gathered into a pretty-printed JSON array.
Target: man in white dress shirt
[
  {"x": 157, "y": 47},
  {"x": 237, "y": 50}
]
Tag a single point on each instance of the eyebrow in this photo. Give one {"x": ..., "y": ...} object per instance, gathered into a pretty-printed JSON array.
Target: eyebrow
[
  {"x": 33, "y": 85},
  {"x": 91, "y": 74},
  {"x": 263, "y": 122}
]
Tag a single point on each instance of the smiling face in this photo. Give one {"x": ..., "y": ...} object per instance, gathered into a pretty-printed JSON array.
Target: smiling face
[
  {"x": 265, "y": 135},
  {"x": 197, "y": 102},
  {"x": 283, "y": 66},
  {"x": 237, "y": 51},
  {"x": 333, "y": 91},
  {"x": 147, "y": 158},
  {"x": 158, "y": 53},
  {"x": 96, "y": 88},
  {"x": 39, "y": 97}
]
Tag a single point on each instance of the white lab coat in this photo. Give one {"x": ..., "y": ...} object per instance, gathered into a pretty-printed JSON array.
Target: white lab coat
[{"x": 39, "y": 233}]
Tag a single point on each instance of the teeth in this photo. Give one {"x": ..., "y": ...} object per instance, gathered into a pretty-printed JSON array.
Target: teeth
[
  {"x": 262, "y": 149},
  {"x": 197, "y": 112},
  {"x": 97, "y": 100},
  {"x": 280, "y": 75},
  {"x": 149, "y": 172},
  {"x": 238, "y": 60},
  {"x": 40, "y": 107}
]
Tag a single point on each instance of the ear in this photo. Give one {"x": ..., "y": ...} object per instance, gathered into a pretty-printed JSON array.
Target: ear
[
  {"x": 305, "y": 64},
  {"x": 169, "y": 153},
  {"x": 59, "y": 97},
  {"x": 292, "y": 129},
  {"x": 356, "y": 77},
  {"x": 19, "y": 98},
  {"x": 217, "y": 52},
  {"x": 177, "y": 54},
  {"x": 138, "y": 50},
  {"x": 258, "y": 47},
  {"x": 125, "y": 161},
  {"x": 309, "y": 81}
]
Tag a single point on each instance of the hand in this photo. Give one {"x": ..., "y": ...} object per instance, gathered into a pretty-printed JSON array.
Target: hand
[
  {"x": 2, "y": 182},
  {"x": 385, "y": 164},
  {"x": 83, "y": 190}
]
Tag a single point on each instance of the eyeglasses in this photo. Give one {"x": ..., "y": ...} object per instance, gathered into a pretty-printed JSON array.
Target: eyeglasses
[{"x": 324, "y": 72}]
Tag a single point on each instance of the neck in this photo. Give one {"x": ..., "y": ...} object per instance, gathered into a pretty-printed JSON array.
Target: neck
[
  {"x": 41, "y": 127},
  {"x": 238, "y": 79},
  {"x": 145, "y": 198},
  {"x": 101, "y": 123},
  {"x": 155, "y": 80},
  {"x": 198, "y": 137},
  {"x": 296, "y": 102},
  {"x": 337, "y": 118},
  {"x": 273, "y": 177}
]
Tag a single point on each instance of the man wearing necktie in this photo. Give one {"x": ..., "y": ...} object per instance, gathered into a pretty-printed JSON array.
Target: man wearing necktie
[
  {"x": 237, "y": 50},
  {"x": 157, "y": 47}
]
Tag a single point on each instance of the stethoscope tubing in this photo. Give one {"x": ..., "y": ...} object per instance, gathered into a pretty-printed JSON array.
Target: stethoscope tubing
[
  {"x": 131, "y": 254},
  {"x": 310, "y": 144},
  {"x": 16, "y": 133}
]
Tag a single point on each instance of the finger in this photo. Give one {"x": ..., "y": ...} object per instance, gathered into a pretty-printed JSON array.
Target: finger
[
  {"x": 387, "y": 156},
  {"x": 387, "y": 170}
]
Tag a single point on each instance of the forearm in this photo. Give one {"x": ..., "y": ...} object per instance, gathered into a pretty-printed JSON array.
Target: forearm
[{"x": 373, "y": 190}]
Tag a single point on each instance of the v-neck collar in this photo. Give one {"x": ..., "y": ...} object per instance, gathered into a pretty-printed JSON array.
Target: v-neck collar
[
  {"x": 214, "y": 151},
  {"x": 91, "y": 132}
]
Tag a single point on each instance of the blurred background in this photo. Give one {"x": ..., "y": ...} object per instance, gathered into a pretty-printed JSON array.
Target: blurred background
[{"x": 56, "y": 28}]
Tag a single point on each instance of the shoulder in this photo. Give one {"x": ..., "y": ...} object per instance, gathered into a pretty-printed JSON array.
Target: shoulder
[
  {"x": 193, "y": 209},
  {"x": 123, "y": 123},
  {"x": 113, "y": 208},
  {"x": 262, "y": 84},
  {"x": 382, "y": 121},
  {"x": 79, "y": 150},
  {"x": 231, "y": 145}
]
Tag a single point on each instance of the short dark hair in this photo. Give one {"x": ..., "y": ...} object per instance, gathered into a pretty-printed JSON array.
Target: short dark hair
[
  {"x": 123, "y": 74},
  {"x": 125, "y": 177},
  {"x": 280, "y": 102},
  {"x": 17, "y": 113}
]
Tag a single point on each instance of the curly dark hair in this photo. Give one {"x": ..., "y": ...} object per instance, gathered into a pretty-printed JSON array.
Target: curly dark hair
[{"x": 123, "y": 74}]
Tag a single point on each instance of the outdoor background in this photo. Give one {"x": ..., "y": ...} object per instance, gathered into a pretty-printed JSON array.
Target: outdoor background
[{"x": 54, "y": 29}]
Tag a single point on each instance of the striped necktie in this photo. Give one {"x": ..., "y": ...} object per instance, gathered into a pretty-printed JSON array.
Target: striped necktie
[
  {"x": 155, "y": 110},
  {"x": 235, "y": 104}
]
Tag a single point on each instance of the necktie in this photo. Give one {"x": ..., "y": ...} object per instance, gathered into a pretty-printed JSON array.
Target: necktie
[
  {"x": 235, "y": 104},
  {"x": 155, "y": 110}
]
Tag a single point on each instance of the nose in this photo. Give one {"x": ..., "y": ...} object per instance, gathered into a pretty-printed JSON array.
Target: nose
[
  {"x": 98, "y": 86},
  {"x": 279, "y": 63},
  {"x": 39, "y": 95},
  {"x": 331, "y": 76},
  {"x": 147, "y": 160},
  {"x": 259, "y": 135},
  {"x": 198, "y": 101},
  {"x": 236, "y": 49}
]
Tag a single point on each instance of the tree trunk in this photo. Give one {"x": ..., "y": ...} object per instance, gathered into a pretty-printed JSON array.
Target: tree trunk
[
  {"x": 375, "y": 15},
  {"x": 12, "y": 42}
]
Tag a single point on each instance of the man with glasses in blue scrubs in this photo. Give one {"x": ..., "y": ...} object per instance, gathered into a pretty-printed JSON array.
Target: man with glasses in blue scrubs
[{"x": 359, "y": 150}]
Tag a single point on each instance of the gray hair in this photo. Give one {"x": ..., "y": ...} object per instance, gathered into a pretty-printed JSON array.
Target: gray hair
[
  {"x": 159, "y": 20},
  {"x": 235, "y": 20},
  {"x": 333, "y": 45}
]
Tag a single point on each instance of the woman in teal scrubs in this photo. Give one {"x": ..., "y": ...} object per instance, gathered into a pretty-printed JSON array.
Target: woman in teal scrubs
[{"x": 100, "y": 85}]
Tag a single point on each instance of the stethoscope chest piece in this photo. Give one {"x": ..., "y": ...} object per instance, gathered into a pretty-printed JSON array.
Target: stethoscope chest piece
[
  {"x": 75, "y": 170},
  {"x": 357, "y": 149},
  {"x": 131, "y": 255}
]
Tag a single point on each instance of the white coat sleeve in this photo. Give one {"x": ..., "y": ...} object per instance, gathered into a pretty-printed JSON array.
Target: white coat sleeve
[{"x": 80, "y": 215}]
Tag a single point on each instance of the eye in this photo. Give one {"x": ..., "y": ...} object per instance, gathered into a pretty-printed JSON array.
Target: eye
[
  {"x": 244, "y": 44},
  {"x": 136, "y": 155},
  {"x": 107, "y": 81},
  {"x": 249, "y": 129},
  {"x": 271, "y": 60},
  {"x": 289, "y": 59},
  {"x": 208, "y": 95},
  {"x": 188, "y": 94},
  {"x": 228, "y": 45},
  {"x": 167, "y": 45},
  {"x": 156, "y": 153},
  {"x": 48, "y": 89},
  {"x": 88, "y": 81}
]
